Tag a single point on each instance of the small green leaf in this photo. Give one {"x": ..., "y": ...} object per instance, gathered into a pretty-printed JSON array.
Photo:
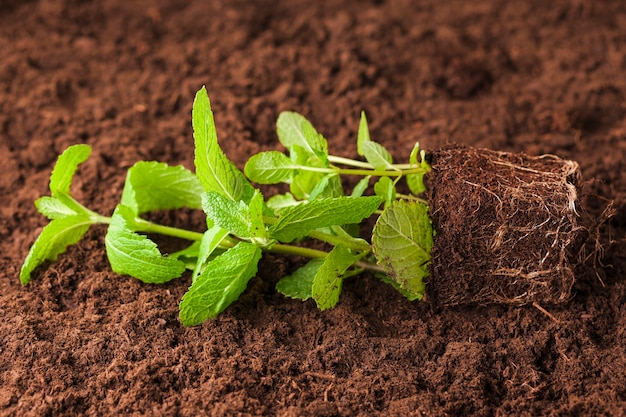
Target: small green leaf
[
  {"x": 236, "y": 216},
  {"x": 156, "y": 186},
  {"x": 53, "y": 208},
  {"x": 330, "y": 187},
  {"x": 363, "y": 135},
  {"x": 214, "y": 170},
  {"x": 361, "y": 186},
  {"x": 378, "y": 156},
  {"x": 255, "y": 216},
  {"x": 402, "y": 241},
  {"x": 386, "y": 189},
  {"x": 280, "y": 201},
  {"x": 65, "y": 168},
  {"x": 53, "y": 240},
  {"x": 133, "y": 254},
  {"x": 374, "y": 153},
  {"x": 220, "y": 284},
  {"x": 270, "y": 168},
  {"x": 299, "y": 284},
  {"x": 416, "y": 181},
  {"x": 305, "y": 181},
  {"x": 297, "y": 221},
  {"x": 295, "y": 129},
  {"x": 328, "y": 281},
  {"x": 189, "y": 255},
  {"x": 211, "y": 240}
]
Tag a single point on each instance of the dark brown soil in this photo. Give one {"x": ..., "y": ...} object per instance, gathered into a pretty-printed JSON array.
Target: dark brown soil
[
  {"x": 506, "y": 227},
  {"x": 532, "y": 76}
]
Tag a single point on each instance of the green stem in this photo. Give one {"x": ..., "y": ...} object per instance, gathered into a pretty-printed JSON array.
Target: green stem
[
  {"x": 336, "y": 240},
  {"x": 365, "y": 172},
  {"x": 228, "y": 242},
  {"x": 149, "y": 227},
  {"x": 366, "y": 165}
]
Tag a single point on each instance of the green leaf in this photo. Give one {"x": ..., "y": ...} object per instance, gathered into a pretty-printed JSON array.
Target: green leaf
[
  {"x": 297, "y": 221},
  {"x": 328, "y": 281},
  {"x": 211, "y": 240},
  {"x": 406, "y": 294},
  {"x": 65, "y": 168},
  {"x": 270, "y": 168},
  {"x": 280, "y": 201},
  {"x": 295, "y": 129},
  {"x": 402, "y": 241},
  {"x": 416, "y": 181},
  {"x": 133, "y": 254},
  {"x": 361, "y": 186},
  {"x": 53, "y": 240},
  {"x": 156, "y": 186},
  {"x": 378, "y": 156},
  {"x": 299, "y": 284},
  {"x": 189, "y": 255},
  {"x": 255, "y": 216},
  {"x": 214, "y": 170},
  {"x": 363, "y": 135},
  {"x": 305, "y": 181},
  {"x": 328, "y": 187},
  {"x": 386, "y": 189},
  {"x": 236, "y": 216},
  {"x": 374, "y": 153},
  {"x": 53, "y": 208},
  {"x": 220, "y": 284}
]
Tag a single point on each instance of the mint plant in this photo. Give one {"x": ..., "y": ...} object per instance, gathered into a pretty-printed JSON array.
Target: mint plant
[{"x": 242, "y": 223}]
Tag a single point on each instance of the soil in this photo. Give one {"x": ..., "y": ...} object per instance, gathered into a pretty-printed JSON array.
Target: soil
[{"x": 535, "y": 77}]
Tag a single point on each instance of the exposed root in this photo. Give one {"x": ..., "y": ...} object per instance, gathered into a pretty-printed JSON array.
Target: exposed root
[{"x": 505, "y": 224}]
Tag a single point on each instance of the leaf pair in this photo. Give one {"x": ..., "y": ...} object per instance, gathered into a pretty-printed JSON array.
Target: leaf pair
[
  {"x": 321, "y": 278},
  {"x": 69, "y": 219}
]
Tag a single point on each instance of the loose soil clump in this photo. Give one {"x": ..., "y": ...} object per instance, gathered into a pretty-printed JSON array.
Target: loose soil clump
[{"x": 505, "y": 223}]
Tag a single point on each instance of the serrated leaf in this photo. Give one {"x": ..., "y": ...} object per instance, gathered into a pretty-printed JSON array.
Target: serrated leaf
[
  {"x": 255, "y": 216},
  {"x": 378, "y": 156},
  {"x": 157, "y": 186},
  {"x": 402, "y": 241},
  {"x": 53, "y": 240},
  {"x": 299, "y": 284},
  {"x": 220, "y": 284},
  {"x": 297, "y": 221},
  {"x": 295, "y": 129},
  {"x": 328, "y": 280},
  {"x": 385, "y": 189},
  {"x": 406, "y": 294},
  {"x": 133, "y": 254},
  {"x": 65, "y": 168},
  {"x": 240, "y": 219},
  {"x": 374, "y": 153},
  {"x": 270, "y": 168},
  {"x": 214, "y": 170},
  {"x": 53, "y": 208}
]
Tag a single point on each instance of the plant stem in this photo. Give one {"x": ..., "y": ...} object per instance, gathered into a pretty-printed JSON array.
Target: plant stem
[
  {"x": 229, "y": 242},
  {"x": 365, "y": 172},
  {"x": 149, "y": 227}
]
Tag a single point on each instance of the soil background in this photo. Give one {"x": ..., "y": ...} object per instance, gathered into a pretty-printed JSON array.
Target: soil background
[{"x": 120, "y": 75}]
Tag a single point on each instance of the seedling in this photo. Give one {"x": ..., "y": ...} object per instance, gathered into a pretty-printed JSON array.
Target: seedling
[{"x": 243, "y": 224}]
